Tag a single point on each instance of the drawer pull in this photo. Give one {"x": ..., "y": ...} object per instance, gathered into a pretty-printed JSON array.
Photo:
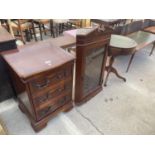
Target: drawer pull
[
  {"x": 42, "y": 99},
  {"x": 68, "y": 86},
  {"x": 54, "y": 93},
  {"x": 68, "y": 72},
  {"x": 42, "y": 85},
  {"x": 45, "y": 111},
  {"x": 60, "y": 76},
  {"x": 60, "y": 102}
]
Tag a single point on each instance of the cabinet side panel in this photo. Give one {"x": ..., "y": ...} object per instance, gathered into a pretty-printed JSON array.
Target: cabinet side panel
[{"x": 21, "y": 92}]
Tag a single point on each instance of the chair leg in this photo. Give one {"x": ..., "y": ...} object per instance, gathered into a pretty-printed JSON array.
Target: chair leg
[
  {"x": 27, "y": 35},
  {"x": 108, "y": 69},
  {"x": 44, "y": 28},
  {"x": 152, "y": 49},
  {"x": 132, "y": 56},
  {"x": 52, "y": 29},
  {"x": 40, "y": 30},
  {"x": 31, "y": 34},
  {"x": 34, "y": 32},
  {"x": 57, "y": 30},
  {"x": 52, "y": 32}
]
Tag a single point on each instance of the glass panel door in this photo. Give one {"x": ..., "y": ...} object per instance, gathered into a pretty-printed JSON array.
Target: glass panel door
[{"x": 93, "y": 68}]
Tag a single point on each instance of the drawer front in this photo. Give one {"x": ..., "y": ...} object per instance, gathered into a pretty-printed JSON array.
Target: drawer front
[
  {"x": 51, "y": 108},
  {"x": 48, "y": 80},
  {"x": 51, "y": 88},
  {"x": 52, "y": 94}
]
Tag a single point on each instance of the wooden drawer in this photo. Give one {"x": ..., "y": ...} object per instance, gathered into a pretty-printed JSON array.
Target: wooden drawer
[
  {"x": 51, "y": 108},
  {"x": 42, "y": 82},
  {"x": 49, "y": 96},
  {"x": 51, "y": 87}
]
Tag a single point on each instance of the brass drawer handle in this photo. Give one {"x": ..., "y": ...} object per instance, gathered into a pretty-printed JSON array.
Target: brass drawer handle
[
  {"x": 64, "y": 99},
  {"x": 42, "y": 85},
  {"x": 68, "y": 72},
  {"x": 56, "y": 92},
  {"x": 45, "y": 111},
  {"x": 41, "y": 99},
  {"x": 51, "y": 94},
  {"x": 60, "y": 103},
  {"x": 68, "y": 86},
  {"x": 60, "y": 76}
]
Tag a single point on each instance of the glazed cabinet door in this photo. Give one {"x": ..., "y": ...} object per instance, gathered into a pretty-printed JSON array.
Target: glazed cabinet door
[{"x": 93, "y": 69}]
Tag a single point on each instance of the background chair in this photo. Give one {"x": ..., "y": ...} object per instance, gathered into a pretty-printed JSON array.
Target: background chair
[
  {"x": 22, "y": 29},
  {"x": 44, "y": 25}
]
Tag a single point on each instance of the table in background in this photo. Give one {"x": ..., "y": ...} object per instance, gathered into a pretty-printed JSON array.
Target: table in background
[
  {"x": 143, "y": 39},
  {"x": 108, "y": 22},
  {"x": 119, "y": 45}
]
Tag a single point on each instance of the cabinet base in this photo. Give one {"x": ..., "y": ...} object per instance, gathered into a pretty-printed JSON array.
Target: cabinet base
[
  {"x": 39, "y": 125},
  {"x": 80, "y": 101}
]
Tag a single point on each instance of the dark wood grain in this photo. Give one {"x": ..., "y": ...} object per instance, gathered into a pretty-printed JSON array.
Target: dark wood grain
[
  {"x": 91, "y": 44},
  {"x": 43, "y": 90},
  {"x": 36, "y": 58}
]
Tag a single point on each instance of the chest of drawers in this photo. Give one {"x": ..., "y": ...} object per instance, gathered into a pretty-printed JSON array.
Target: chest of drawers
[{"x": 42, "y": 75}]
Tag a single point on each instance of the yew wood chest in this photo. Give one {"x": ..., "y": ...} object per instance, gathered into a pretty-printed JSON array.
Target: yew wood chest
[{"x": 42, "y": 75}]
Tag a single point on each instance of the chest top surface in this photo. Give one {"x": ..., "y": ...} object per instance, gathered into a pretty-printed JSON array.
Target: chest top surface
[
  {"x": 36, "y": 58},
  {"x": 4, "y": 35}
]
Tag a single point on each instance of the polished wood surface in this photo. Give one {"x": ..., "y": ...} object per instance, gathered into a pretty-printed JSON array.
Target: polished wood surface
[
  {"x": 36, "y": 58},
  {"x": 42, "y": 76}
]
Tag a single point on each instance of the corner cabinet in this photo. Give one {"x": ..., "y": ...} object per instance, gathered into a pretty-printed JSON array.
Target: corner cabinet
[{"x": 91, "y": 55}]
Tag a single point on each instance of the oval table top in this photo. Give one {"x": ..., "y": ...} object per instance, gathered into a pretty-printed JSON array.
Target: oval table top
[{"x": 119, "y": 41}]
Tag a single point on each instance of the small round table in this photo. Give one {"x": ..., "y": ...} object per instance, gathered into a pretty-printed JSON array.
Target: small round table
[{"x": 119, "y": 45}]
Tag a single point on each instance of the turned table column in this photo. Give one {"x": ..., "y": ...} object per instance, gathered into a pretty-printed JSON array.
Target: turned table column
[{"x": 119, "y": 45}]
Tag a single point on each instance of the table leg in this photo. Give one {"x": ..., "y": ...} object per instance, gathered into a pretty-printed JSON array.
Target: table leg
[
  {"x": 132, "y": 56},
  {"x": 116, "y": 73},
  {"x": 152, "y": 49},
  {"x": 113, "y": 70},
  {"x": 108, "y": 69}
]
